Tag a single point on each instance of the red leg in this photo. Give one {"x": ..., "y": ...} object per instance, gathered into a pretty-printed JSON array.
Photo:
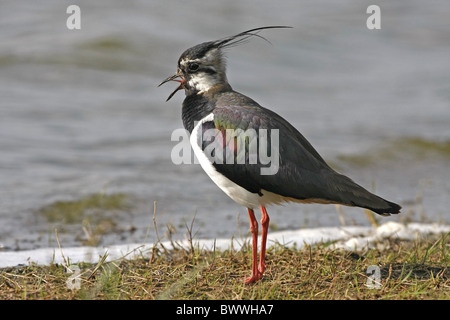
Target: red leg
[
  {"x": 265, "y": 227},
  {"x": 254, "y": 229}
]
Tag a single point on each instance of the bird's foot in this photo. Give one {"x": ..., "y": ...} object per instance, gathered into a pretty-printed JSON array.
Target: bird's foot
[
  {"x": 261, "y": 267},
  {"x": 253, "y": 278}
]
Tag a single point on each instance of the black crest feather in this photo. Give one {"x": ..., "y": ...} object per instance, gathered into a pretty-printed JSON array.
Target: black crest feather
[
  {"x": 243, "y": 37},
  {"x": 200, "y": 50}
]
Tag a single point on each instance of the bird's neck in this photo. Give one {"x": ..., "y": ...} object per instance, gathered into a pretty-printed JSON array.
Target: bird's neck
[{"x": 196, "y": 106}]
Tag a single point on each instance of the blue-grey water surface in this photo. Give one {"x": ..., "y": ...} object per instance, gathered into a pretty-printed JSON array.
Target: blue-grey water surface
[{"x": 80, "y": 111}]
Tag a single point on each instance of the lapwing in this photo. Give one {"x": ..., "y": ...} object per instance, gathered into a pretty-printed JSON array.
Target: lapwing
[{"x": 254, "y": 155}]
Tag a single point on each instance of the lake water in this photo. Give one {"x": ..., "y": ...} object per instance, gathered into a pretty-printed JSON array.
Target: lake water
[{"x": 81, "y": 114}]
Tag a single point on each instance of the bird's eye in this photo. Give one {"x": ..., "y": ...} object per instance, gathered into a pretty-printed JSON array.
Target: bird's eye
[{"x": 193, "y": 66}]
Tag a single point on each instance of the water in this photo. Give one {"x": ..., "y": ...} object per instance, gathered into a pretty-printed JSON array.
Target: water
[{"x": 80, "y": 112}]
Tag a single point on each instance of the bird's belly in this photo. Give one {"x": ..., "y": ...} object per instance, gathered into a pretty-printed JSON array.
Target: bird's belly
[{"x": 233, "y": 190}]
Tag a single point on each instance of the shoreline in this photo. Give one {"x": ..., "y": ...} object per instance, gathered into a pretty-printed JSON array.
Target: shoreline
[{"x": 349, "y": 238}]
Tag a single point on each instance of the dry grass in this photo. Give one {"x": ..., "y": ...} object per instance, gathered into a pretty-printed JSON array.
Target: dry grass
[{"x": 408, "y": 270}]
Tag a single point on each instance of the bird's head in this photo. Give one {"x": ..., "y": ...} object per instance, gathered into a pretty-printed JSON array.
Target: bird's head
[{"x": 203, "y": 66}]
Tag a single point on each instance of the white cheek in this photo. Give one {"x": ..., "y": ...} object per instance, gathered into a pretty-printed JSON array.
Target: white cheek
[{"x": 201, "y": 83}]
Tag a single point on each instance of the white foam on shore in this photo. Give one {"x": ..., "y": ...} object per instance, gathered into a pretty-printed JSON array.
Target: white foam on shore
[{"x": 348, "y": 238}]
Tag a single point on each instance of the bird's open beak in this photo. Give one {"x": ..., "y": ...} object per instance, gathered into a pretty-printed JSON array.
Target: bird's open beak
[{"x": 174, "y": 78}]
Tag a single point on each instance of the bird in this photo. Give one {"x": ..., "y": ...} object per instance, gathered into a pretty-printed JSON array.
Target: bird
[{"x": 233, "y": 137}]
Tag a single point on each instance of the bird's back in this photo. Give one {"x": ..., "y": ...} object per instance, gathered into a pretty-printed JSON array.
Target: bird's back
[{"x": 302, "y": 174}]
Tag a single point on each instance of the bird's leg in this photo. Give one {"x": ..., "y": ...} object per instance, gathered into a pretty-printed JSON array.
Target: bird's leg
[
  {"x": 254, "y": 229},
  {"x": 264, "y": 226}
]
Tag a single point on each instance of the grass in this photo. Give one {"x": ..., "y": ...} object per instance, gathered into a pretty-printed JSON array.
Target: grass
[
  {"x": 414, "y": 148},
  {"x": 76, "y": 211},
  {"x": 408, "y": 270},
  {"x": 405, "y": 269},
  {"x": 95, "y": 212}
]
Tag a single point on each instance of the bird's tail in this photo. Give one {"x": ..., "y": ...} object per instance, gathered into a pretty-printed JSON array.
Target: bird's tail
[{"x": 352, "y": 194}]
